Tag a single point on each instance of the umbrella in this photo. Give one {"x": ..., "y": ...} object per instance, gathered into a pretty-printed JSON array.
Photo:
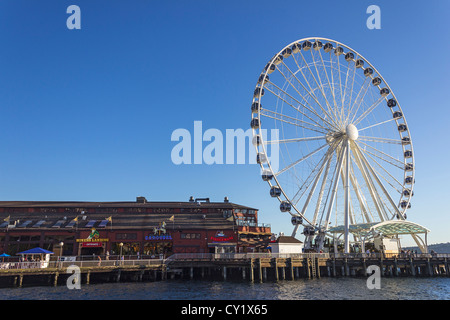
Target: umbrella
[{"x": 4, "y": 255}]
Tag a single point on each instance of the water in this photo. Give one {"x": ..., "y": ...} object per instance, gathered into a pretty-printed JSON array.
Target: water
[{"x": 344, "y": 288}]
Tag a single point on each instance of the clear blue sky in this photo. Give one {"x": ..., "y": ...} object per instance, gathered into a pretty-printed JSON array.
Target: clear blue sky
[{"x": 87, "y": 115}]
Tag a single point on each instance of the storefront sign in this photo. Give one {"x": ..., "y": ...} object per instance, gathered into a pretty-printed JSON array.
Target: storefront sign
[
  {"x": 91, "y": 244},
  {"x": 93, "y": 237},
  {"x": 157, "y": 238},
  {"x": 92, "y": 240},
  {"x": 221, "y": 237},
  {"x": 159, "y": 233}
]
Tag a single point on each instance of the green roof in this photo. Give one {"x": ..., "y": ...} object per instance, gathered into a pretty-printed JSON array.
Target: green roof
[{"x": 391, "y": 227}]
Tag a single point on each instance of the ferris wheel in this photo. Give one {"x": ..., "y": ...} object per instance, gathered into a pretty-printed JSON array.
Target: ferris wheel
[{"x": 331, "y": 139}]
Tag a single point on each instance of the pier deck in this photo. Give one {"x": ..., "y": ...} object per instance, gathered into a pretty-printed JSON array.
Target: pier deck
[{"x": 248, "y": 267}]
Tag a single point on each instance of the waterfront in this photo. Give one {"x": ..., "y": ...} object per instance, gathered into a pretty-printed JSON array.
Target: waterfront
[{"x": 343, "y": 288}]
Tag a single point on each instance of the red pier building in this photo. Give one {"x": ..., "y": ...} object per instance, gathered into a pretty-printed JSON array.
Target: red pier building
[{"x": 131, "y": 228}]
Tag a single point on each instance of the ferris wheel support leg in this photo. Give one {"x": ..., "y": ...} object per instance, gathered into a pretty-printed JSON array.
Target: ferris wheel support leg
[
  {"x": 322, "y": 234},
  {"x": 347, "y": 196},
  {"x": 368, "y": 182},
  {"x": 295, "y": 230}
]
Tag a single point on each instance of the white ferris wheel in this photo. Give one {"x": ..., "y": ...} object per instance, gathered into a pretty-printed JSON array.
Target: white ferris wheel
[{"x": 345, "y": 157}]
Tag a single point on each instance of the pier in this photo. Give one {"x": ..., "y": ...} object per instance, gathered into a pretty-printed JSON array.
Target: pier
[{"x": 253, "y": 267}]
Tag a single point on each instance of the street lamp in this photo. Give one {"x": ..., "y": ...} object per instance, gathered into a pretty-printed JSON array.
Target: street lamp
[
  {"x": 61, "y": 245},
  {"x": 120, "y": 254}
]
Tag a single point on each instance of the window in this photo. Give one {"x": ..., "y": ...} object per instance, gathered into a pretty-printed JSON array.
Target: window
[
  {"x": 23, "y": 225},
  {"x": 91, "y": 223},
  {"x": 39, "y": 223},
  {"x": 126, "y": 236},
  {"x": 58, "y": 224},
  {"x": 71, "y": 224},
  {"x": 103, "y": 223},
  {"x": 190, "y": 236}
]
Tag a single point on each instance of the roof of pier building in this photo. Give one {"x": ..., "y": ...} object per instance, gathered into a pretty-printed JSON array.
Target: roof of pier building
[{"x": 142, "y": 214}]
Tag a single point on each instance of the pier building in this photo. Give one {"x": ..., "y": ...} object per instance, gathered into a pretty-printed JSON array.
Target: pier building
[{"x": 138, "y": 227}]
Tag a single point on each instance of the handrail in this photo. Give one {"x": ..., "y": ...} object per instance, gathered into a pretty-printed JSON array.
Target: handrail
[
  {"x": 242, "y": 256},
  {"x": 122, "y": 262},
  {"x": 81, "y": 264}
]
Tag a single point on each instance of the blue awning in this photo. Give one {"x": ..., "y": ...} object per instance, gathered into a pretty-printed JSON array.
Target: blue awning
[{"x": 35, "y": 251}]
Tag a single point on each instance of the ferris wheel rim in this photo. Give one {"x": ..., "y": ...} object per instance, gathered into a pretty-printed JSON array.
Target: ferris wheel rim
[{"x": 264, "y": 74}]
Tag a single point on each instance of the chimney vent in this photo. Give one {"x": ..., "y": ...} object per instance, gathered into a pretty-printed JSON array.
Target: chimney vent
[{"x": 141, "y": 200}]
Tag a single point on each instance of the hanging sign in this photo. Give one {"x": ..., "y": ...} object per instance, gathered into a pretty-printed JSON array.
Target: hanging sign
[{"x": 93, "y": 237}]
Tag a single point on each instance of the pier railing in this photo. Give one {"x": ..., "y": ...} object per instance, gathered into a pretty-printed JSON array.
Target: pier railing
[
  {"x": 378, "y": 255},
  {"x": 243, "y": 256},
  {"x": 81, "y": 264},
  {"x": 133, "y": 261}
]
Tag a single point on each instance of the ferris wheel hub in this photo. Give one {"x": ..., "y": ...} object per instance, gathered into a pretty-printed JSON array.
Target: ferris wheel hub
[{"x": 352, "y": 132}]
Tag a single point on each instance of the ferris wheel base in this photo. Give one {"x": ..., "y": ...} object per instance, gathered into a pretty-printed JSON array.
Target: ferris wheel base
[{"x": 383, "y": 234}]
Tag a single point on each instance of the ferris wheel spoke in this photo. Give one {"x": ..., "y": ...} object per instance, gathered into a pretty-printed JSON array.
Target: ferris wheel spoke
[
  {"x": 293, "y": 123},
  {"x": 369, "y": 183},
  {"x": 345, "y": 92},
  {"x": 360, "y": 196},
  {"x": 378, "y": 139},
  {"x": 377, "y": 124},
  {"x": 387, "y": 181},
  {"x": 353, "y": 82},
  {"x": 368, "y": 111},
  {"x": 358, "y": 104},
  {"x": 332, "y": 81},
  {"x": 331, "y": 87},
  {"x": 322, "y": 189},
  {"x": 321, "y": 91},
  {"x": 294, "y": 140},
  {"x": 330, "y": 109},
  {"x": 368, "y": 165},
  {"x": 325, "y": 158},
  {"x": 307, "y": 183},
  {"x": 289, "y": 118},
  {"x": 339, "y": 73},
  {"x": 385, "y": 160},
  {"x": 352, "y": 104},
  {"x": 300, "y": 160},
  {"x": 296, "y": 101},
  {"x": 387, "y": 172},
  {"x": 290, "y": 83},
  {"x": 311, "y": 92},
  {"x": 378, "y": 174},
  {"x": 395, "y": 162},
  {"x": 334, "y": 183}
]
